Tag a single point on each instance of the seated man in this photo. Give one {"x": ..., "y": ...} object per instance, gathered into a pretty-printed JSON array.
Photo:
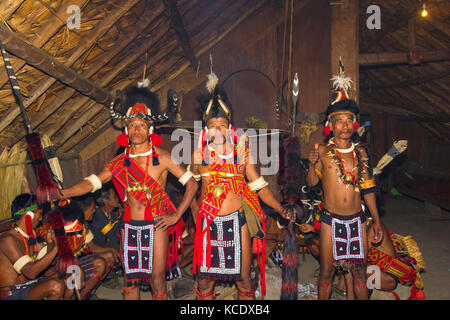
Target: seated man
[
  {"x": 23, "y": 259},
  {"x": 111, "y": 255},
  {"x": 80, "y": 238},
  {"x": 105, "y": 223}
]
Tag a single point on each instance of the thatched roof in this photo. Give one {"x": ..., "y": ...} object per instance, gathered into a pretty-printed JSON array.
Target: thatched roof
[{"x": 117, "y": 40}]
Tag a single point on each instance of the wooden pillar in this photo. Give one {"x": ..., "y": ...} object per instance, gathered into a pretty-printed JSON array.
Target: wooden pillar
[{"x": 345, "y": 41}]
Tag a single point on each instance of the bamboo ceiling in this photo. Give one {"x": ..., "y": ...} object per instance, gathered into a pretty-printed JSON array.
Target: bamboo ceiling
[
  {"x": 415, "y": 91},
  {"x": 117, "y": 38}
]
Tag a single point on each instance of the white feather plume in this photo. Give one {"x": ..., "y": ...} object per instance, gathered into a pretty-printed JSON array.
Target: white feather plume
[
  {"x": 340, "y": 82},
  {"x": 212, "y": 82},
  {"x": 145, "y": 83}
]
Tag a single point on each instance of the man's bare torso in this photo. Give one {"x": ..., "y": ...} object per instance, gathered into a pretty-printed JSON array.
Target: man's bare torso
[
  {"x": 338, "y": 198},
  {"x": 158, "y": 173},
  {"x": 231, "y": 202},
  {"x": 8, "y": 276}
]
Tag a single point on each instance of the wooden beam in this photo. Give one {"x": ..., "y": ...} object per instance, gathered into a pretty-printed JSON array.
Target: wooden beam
[
  {"x": 178, "y": 25},
  {"x": 47, "y": 64},
  {"x": 45, "y": 32},
  {"x": 377, "y": 59},
  {"x": 402, "y": 112},
  {"x": 62, "y": 73},
  {"x": 413, "y": 82},
  {"x": 345, "y": 42}
]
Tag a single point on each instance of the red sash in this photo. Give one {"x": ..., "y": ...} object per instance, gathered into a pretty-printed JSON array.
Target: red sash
[
  {"x": 155, "y": 199},
  {"x": 158, "y": 203},
  {"x": 209, "y": 207}
]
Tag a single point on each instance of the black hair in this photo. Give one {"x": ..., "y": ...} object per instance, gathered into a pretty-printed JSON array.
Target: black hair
[
  {"x": 103, "y": 193},
  {"x": 72, "y": 211},
  {"x": 20, "y": 202},
  {"x": 84, "y": 201},
  {"x": 134, "y": 94},
  {"x": 216, "y": 110},
  {"x": 343, "y": 105}
]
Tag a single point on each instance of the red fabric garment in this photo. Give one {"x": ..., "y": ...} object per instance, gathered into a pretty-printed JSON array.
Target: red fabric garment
[
  {"x": 159, "y": 203},
  {"x": 209, "y": 206}
]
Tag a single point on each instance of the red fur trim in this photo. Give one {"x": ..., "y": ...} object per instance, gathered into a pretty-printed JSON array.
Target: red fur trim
[
  {"x": 156, "y": 139},
  {"x": 202, "y": 296},
  {"x": 160, "y": 296},
  {"x": 65, "y": 254},
  {"x": 47, "y": 190},
  {"x": 204, "y": 137},
  {"x": 324, "y": 285},
  {"x": 122, "y": 140},
  {"x": 233, "y": 134},
  {"x": 257, "y": 246},
  {"x": 29, "y": 226},
  {"x": 249, "y": 294},
  {"x": 416, "y": 294}
]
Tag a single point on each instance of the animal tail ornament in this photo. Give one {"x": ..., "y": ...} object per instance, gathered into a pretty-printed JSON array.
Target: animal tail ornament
[
  {"x": 48, "y": 190},
  {"x": 291, "y": 194}
]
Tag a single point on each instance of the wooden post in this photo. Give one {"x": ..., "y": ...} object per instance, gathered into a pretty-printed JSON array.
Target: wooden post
[{"x": 345, "y": 41}]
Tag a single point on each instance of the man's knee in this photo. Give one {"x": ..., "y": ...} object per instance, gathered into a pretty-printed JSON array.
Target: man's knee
[
  {"x": 99, "y": 265},
  {"x": 55, "y": 287}
]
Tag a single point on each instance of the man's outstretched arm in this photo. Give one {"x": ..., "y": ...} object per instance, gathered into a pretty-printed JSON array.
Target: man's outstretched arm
[{"x": 88, "y": 184}]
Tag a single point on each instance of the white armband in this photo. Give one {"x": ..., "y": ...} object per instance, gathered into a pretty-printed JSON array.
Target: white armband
[
  {"x": 95, "y": 182},
  {"x": 18, "y": 266},
  {"x": 258, "y": 184},
  {"x": 185, "y": 177},
  {"x": 42, "y": 253},
  {"x": 197, "y": 177},
  {"x": 89, "y": 237}
]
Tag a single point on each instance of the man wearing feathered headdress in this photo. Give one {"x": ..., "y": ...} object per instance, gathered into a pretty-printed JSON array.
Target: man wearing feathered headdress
[
  {"x": 342, "y": 168},
  {"x": 229, "y": 212},
  {"x": 139, "y": 176}
]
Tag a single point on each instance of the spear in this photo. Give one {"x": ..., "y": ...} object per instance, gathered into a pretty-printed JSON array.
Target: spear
[
  {"x": 295, "y": 92},
  {"x": 48, "y": 190}
]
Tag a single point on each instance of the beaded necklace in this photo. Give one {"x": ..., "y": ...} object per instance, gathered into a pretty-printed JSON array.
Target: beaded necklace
[
  {"x": 138, "y": 186},
  {"x": 347, "y": 177},
  {"x": 25, "y": 241}
]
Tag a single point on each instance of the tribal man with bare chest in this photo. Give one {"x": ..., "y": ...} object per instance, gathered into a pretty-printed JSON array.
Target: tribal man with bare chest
[
  {"x": 344, "y": 170},
  {"x": 139, "y": 176}
]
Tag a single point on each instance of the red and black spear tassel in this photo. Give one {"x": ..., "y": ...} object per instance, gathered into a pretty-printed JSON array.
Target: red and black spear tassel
[
  {"x": 48, "y": 190},
  {"x": 290, "y": 180}
]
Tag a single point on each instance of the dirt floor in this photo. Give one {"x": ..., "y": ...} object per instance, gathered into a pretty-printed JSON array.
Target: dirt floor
[{"x": 403, "y": 215}]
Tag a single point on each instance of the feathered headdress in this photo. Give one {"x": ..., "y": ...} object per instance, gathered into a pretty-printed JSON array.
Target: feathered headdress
[
  {"x": 215, "y": 104},
  {"x": 138, "y": 102},
  {"x": 340, "y": 99}
]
